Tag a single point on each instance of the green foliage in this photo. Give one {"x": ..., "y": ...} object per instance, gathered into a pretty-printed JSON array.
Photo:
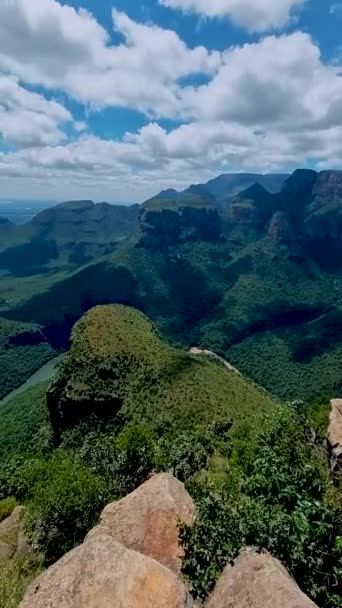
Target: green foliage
[
  {"x": 123, "y": 461},
  {"x": 118, "y": 363},
  {"x": 189, "y": 454},
  {"x": 24, "y": 423},
  {"x": 276, "y": 501},
  {"x": 65, "y": 504},
  {"x": 7, "y": 505}
]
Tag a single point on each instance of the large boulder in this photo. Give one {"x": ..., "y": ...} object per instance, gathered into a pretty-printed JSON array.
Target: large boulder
[
  {"x": 257, "y": 581},
  {"x": 12, "y": 536},
  {"x": 147, "y": 520},
  {"x": 334, "y": 436},
  {"x": 104, "y": 574}
]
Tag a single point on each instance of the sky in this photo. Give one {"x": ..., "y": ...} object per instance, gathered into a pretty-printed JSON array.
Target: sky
[{"x": 118, "y": 99}]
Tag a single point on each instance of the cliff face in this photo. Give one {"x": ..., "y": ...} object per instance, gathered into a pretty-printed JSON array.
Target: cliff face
[
  {"x": 165, "y": 223},
  {"x": 323, "y": 222}
]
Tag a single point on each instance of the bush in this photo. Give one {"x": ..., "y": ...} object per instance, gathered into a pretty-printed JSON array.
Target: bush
[
  {"x": 124, "y": 462},
  {"x": 65, "y": 504},
  {"x": 278, "y": 503},
  {"x": 188, "y": 455}
]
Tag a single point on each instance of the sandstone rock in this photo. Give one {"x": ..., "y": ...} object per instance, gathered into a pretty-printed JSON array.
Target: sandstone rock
[
  {"x": 165, "y": 223},
  {"x": 147, "y": 519},
  {"x": 279, "y": 228},
  {"x": 104, "y": 574},
  {"x": 12, "y": 537},
  {"x": 334, "y": 436},
  {"x": 257, "y": 581}
]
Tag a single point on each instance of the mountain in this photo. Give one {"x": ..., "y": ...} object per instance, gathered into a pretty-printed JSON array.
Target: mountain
[
  {"x": 165, "y": 222},
  {"x": 68, "y": 234},
  {"x": 118, "y": 364},
  {"x": 259, "y": 283},
  {"x": 226, "y": 186}
]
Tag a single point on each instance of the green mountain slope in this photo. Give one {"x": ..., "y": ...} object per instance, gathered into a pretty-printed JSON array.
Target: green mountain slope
[
  {"x": 67, "y": 235},
  {"x": 118, "y": 365},
  {"x": 265, "y": 273}
]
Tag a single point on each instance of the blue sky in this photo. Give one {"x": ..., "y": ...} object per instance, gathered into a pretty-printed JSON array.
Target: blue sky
[{"x": 117, "y": 99}]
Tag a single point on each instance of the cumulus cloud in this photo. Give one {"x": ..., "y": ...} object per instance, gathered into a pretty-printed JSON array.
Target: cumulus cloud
[
  {"x": 27, "y": 118},
  {"x": 278, "y": 81},
  {"x": 254, "y": 15},
  {"x": 266, "y": 106},
  {"x": 54, "y": 45}
]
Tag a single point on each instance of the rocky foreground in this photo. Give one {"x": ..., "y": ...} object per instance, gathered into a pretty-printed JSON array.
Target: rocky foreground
[{"x": 132, "y": 559}]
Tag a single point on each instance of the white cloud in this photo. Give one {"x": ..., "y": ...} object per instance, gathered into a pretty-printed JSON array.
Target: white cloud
[
  {"x": 27, "y": 118},
  {"x": 279, "y": 81},
  {"x": 45, "y": 43},
  {"x": 267, "y": 106},
  {"x": 254, "y": 15}
]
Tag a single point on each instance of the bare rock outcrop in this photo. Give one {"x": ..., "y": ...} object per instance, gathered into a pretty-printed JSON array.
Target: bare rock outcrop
[
  {"x": 147, "y": 519},
  {"x": 101, "y": 573},
  {"x": 257, "y": 581},
  {"x": 334, "y": 436},
  {"x": 12, "y": 536}
]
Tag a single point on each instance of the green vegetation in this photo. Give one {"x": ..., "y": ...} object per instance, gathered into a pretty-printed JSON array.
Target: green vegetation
[
  {"x": 276, "y": 495},
  {"x": 131, "y": 405},
  {"x": 7, "y": 505},
  {"x": 23, "y": 350},
  {"x": 24, "y": 423},
  {"x": 267, "y": 308},
  {"x": 118, "y": 362},
  {"x": 16, "y": 574}
]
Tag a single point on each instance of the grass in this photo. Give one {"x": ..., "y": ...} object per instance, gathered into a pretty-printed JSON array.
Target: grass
[
  {"x": 16, "y": 574},
  {"x": 7, "y": 506}
]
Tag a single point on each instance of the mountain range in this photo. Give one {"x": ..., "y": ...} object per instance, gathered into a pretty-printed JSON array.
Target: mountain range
[{"x": 254, "y": 276}]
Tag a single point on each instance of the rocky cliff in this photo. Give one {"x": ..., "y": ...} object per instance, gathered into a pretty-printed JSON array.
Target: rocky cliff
[{"x": 165, "y": 222}]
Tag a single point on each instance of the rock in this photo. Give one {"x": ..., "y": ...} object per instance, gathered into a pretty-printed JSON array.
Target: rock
[
  {"x": 280, "y": 229},
  {"x": 169, "y": 222},
  {"x": 334, "y": 436},
  {"x": 104, "y": 574},
  {"x": 257, "y": 581},
  {"x": 147, "y": 519},
  {"x": 12, "y": 536}
]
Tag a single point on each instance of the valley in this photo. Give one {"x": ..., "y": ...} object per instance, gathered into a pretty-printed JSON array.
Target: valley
[{"x": 256, "y": 280}]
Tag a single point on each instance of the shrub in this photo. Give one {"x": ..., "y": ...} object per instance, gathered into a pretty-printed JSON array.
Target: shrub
[
  {"x": 279, "y": 504},
  {"x": 65, "y": 504},
  {"x": 124, "y": 462},
  {"x": 188, "y": 455}
]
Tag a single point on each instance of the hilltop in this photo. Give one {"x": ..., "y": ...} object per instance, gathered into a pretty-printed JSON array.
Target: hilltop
[{"x": 118, "y": 364}]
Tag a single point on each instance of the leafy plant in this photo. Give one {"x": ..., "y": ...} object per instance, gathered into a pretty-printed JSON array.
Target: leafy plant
[
  {"x": 279, "y": 504},
  {"x": 65, "y": 504}
]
